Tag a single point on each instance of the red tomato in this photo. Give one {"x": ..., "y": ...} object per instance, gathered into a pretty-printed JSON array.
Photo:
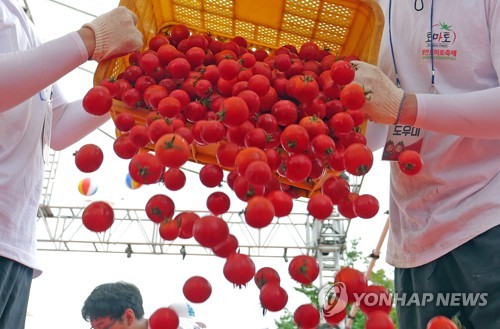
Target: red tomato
[
  {"x": 410, "y": 162},
  {"x": 341, "y": 123},
  {"x": 97, "y": 101},
  {"x": 365, "y": 206},
  {"x": 334, "y": 311},
  {"x": 197, "y": 289},
  {"x": 211, "y": 175},
  {"x": 320, "y": 206},
  {"x": 237, "y": 134},
  {"x": 266, "y": 275},
  {"x": 273, "y": 158},
  {"x": 132, "y": 98},
  {"x": 139, "y": 135},
  {"x": 179, "y": 68},
  {"x": 226, "y": 154},
  {"x": 282, "y": 202},
  {"x": 157, "y": 41},
  {"x": 228, "y": 69},
  {"x": 309, "y": 51},
  {"x": 303, "y": 88},
  {"x": 210, "y": 230},
  {"x": 337, "y": 188},
  {"x": 239, "y": 269},
  {"x": 316, "y": 107},
  {"x": 244, "y": 191},
  {"x": 259, "y": 84},
  {"x": 440, "y": 322},
  {"x": 354, "y": 281},
  {"x": 304, "y": 269},
  {"x": 294, "y": 138},
  {"x": 164, "y": 318},
  {"x": 195, "y": 56},
  {"x": 322, "y": 146},
  {"x": 186, "y": 220},
  {"x": 124, "y": 121},
  {"x": 172, "y": 150},
  {"x": 252, "y": 100},
  {"x": 267, "y": 122},
  {"x": 169, "y": 107},
  {"x": 174, "y": 179},
  {"x": 226, "y": 247},
  {"x": 88, "y": 158},
  {"x": 306, "y": 316},
  {"x": 379, "y": 320},
  {"x": 132, "y": 73},
  {"x": 246, "y": 156},
  {"x": 212, "y": 131},
  {"x": 112, "y": 85},
  {"x": 342, "y": 72},
  {"x": 145, "y": 168},
  {"x": 169, "y": 230},
  {"x": 259, "y": 212},
  {"x": 285, "y": 112},
  {"x": 124, "y": 148},
  {"x": 148, "y": 62},
  {"x": 273, "y": 297},
  {"x": 258, "y": 173},
  {"x": 377, "y": 298},
  {"x": 195, "y": 111},
  {"x": 218, "y": 203},
  {"x": 313, "y": 125},
  {"x": 298, "y": 167},
  {"x": 160, "y": 208},
  {"x": 256, "y": 137},
  {"x": 358, "y": 159},
  {"x": 98, "y": 216},
  {"x": 179, "y": 32},
  {"x": 233, "y": 112},
  {"x": 157, "y": 129},
  {"x": 352, "y": 96}
]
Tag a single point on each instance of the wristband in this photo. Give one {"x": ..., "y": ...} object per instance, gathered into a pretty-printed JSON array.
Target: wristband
[{"x": 400, "y": 109}]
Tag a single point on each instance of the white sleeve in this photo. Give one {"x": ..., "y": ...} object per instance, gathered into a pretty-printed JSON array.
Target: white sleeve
[
  {"x": 70, "y": 121},
  {"x": 474, "y": 114},
  {"x": 25, "y": 73}
]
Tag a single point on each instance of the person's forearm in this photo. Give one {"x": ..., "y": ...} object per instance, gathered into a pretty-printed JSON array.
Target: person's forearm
[
  {"x": 475, "y": 114},
  {"x": 26, "y": 73},
  {"x": 71, "y": 123},
  {"x": 88, "y": 38}
]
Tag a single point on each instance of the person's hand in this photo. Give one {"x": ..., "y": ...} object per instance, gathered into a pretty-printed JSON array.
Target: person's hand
[
  {"x": 385, "y": 99},
  {"x": 115, "y": 34}
]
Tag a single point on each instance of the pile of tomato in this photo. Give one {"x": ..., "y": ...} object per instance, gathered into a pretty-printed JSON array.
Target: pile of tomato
[{"x": 277, "y": 118}]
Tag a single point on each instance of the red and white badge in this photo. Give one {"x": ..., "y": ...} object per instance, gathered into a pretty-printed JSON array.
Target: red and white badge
[{"x": 401, "y": 138}]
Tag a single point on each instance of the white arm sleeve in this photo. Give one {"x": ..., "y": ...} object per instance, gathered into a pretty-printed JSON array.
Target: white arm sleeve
[
  {"x": 475, "y": 114},
  {"x": 25, "y": 73},
  {"x": 70, "y": 121}
]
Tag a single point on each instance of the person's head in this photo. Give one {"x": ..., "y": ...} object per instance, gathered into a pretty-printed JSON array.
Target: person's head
[{"x": 110, "y": 303}]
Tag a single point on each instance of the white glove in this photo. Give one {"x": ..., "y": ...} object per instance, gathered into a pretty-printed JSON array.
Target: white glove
[
  {"x": 385, "y": 99},
  {"x": 115, "y": 34}
]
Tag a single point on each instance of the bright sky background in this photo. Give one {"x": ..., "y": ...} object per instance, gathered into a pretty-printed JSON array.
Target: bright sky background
[{"x": 58, "y": 294}]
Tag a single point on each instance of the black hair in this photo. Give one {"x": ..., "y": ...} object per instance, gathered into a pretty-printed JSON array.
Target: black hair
[{"x": 112, "y": 299}]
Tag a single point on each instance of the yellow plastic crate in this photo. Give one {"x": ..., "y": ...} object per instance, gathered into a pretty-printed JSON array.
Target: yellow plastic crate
[{"x": 345, "y": 27}]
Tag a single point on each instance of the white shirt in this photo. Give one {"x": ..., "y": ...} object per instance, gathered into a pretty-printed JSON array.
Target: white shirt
[
  {"x": 33, "y": 114},
  {"x": 456, "y": 195}
]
